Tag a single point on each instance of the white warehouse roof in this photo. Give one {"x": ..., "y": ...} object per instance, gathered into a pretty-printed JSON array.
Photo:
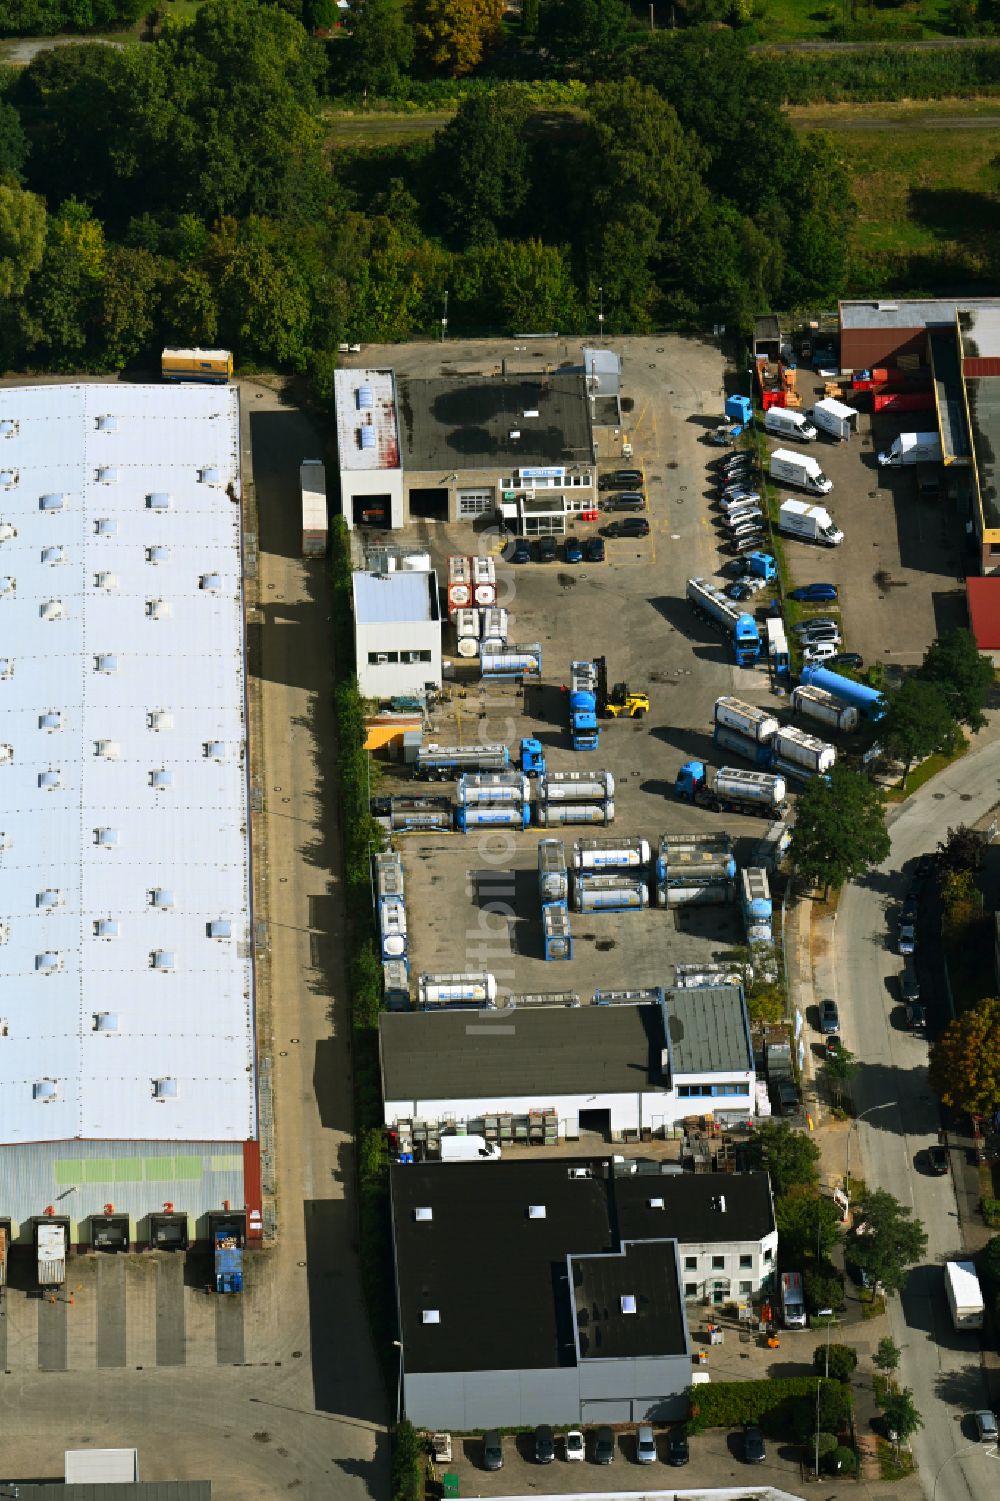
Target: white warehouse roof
[
  {"x": 400, "y": 598},
  {"x": 123, "y": 806}
]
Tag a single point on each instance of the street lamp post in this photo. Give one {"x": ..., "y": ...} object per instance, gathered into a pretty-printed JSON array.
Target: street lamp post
[
  {"x": 600, "y": 315},
  {"x": 888, "y": 1105},
  {"x": 397, "y": 1344}
]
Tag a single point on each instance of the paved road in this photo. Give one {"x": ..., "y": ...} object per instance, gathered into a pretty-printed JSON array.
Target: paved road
[{"x": 941, "y": 1368}]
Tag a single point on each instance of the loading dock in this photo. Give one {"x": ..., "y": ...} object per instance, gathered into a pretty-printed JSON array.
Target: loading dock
[
  {"x": 169, "y": 1231},
  {"x": 110, "y": 1232}
]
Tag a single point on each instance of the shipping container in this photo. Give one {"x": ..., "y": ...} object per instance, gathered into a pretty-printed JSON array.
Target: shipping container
[
  {"x": 513, "y": 662},
  {"x": 312, "y": 490},
  {"x": 804, "y": 750},
  {"x": 553, "y": 880},
  {"x": 745, "y": 719},
  {"x": 610, "y": 854},
  {"x": 817, "y": 704},
  {"x": 492, "y": 787},
  {"x": 576, "y": 786},
  {"x": 213, "y": 367},
  {"x": 556, "y": 934},
  {"x": 475, "y": 986},
  {"x": 497, "y": 816},
  {"x": 555, "y": 815},
  {"x": 592, "y": 893}
]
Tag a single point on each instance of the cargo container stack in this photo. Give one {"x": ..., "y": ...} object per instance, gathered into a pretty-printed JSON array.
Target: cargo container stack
[
  {"x": 459, "y": 585},
  {"x": 755, "y": 896},
  {"x": 484, "y": 582},
  {"x": 492, "y": 799},
  {"x": 553, "y": 892},
  {"x": 744, "y": 730},
  {"x": 475, "y": 990},
  {"x": 695, "y": 869},
  {"x": 609, "y": 875},
  {"x": 390, "y": 913},
  {"x": 468, "y": 630},
  {"x": 575, "y": 797},
  {"x": 496, "y": 624},
  {"x": 824, "y": 708},
  {"x": 511, "y": 661},
  {"x": 801, "y": 756}
]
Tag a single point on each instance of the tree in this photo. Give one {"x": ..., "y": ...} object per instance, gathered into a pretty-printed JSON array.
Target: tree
[
  {"x": 891, "y": 1242},
  {"x": 840, "y": 1068},
  {"x": 378, "y": 50},
  {"x": 965, "y": 678},
  {"x": 963, "y": 905},
  {"x": 964, "y": 849},
  {"x": 900, "y": 1415},
  {"x": 190, "y": 316},
  {"x": 808, "y": 1224},
  {"x": 823, "y": 1444},
  {"x": 790, "y": 1157},
  {"x": 529, "y": 286},
  {"x": 13, "y": 143},
  {"x": 480, "y": 164},
  {"x": 918, "y": 721},
  {"x": 964, "y": 1068},
  {"x": 839, "y": 831},
  {"x": 834, "y": 1404},
  {"x": 129, "y": 303},
  {"x": 886, "y": 1357},
  {"x": 583, "y": 28},
  {"x": 62, "y": 301},
  {"x": 22, "y": 239},
  {"x": 835, "y": 1361},
  {"x": 452, "y": 36},
  {"x": 823, "y": 1286}
]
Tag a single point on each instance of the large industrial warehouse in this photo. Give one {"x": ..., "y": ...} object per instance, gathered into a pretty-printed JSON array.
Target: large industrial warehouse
[{"x": 127, "y": 1055}]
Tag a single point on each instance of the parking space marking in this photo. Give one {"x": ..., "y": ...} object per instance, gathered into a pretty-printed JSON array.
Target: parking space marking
[
  {"x": 52, "y": 1331},
  {"x": 230, "y": 1348},
  {"x": 111, "y": 1311},
  {"x": 170, "y": 1323}
]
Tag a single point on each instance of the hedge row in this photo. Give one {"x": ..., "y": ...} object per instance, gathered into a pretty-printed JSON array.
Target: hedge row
[
  {"x": 727, "y": 1404},
  {"x": 407, "y": 1474},
  {"x": 883, "y": 73}
]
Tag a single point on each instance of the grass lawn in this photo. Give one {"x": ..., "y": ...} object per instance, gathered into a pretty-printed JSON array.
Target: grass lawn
[{"x": 811, "y": 20}]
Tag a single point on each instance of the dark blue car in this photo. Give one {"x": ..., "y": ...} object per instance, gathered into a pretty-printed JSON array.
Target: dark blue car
[
  {"x": 522, "y": 550},
  {"x": 573, "y": 550},
  {"x": 595, "y": 550},
  {"x": 814, "y": 593}
]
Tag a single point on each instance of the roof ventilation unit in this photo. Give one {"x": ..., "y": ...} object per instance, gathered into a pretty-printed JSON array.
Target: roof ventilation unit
[
  {"x": 423, "y": 1213},
  {"x": 6, "y": 754},
  {"x": 656, "y": 1203},
  {"x": 430, "y": 1316},
  {"x": 50, "y": 720},
  {"x": 105, "y": 1021},
  {"x": 55, "y": 554},
  {"x": 160, "y": 778},
  {"x": 580, "y": 1172},
  {"x": 9, "y": 478},
  {"x": 158, "y": 553},
  {"x": 107, "y": 424},
  {"x": 7, "y": 531},
  {"x": 49, "y": 898},
  {"x": 107, "y": 750},
  {"x": 160, "y": 719},
  {"x": 50, "y": 780},
  {"x": 209, "y": 475},
  {"x": 720, "y": 1203},
  {"x": 46, "y": 1090},
  {"x": 160, "y": 896},
  {"x": 162, "y": 959},
  {"x": 107, "y": 475},
  {"x": 107, "y": 927},
  {"x": 514, "y": 434},
  {"x": 48, "y": 963},
  {"x": 628, "y": 1303},
  {"x": 157, "y": 609},
  {"x": 164, "y": 1089},
  {"x": 159, "y": 500},
  {"x": 220, "y": 927},
  {"x": 215, "y": 750},
  {"x": 106, "y": 526},
  {"x": 106, "y": 838},
  {"x": 210, "y": 581},
  {"x": 106, "y": 580},
  {"x": 106, "y": 661},
  {"x": 55, "y": 501},
  {"x": 4, "y": 931},
  {"x": 9, "y": 427},
  {"x": 536, "y": 1211},
  {"x": 8, "y": 584},
  {"x": 6, "y": 667},
  {"x": 52, "y": 609}
]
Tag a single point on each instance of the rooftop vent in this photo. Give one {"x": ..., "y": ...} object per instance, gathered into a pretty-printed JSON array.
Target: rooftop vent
[
  {"x": 9, "y": 478},
  {"x": 46, "y": 1090},
  {"x": 215, "y": 750},
  {"x": 161, "y": 896},
  {"x": 7, "y": 531},
  {"x": 48, "y": 963},
  {"x": 209, "y": 475},
  {"x": 48, "y": 898},
  {"x": 4, "y": 931},
  {"x": 107, "y": 475},
  {"x": 157, "y": 609},
  {"x": 164, "y": 1089},
  {"x": 532, "y": 413},
  {"x": 514, "y": 434},
  {"x": 160, "y": 778},
  {"x": 220, "y": 927},
  {"x": 160, "y": 719},
  {"x": 887, "y": 307},
  {"x": 106, "y": 526},
  {"x": 656, "y": 1203},
  {"x": 106, "y": 661},
  {"x": 580, "y": 1172},
  {"x": 536, "y": 1211},
  {"x": 6, "y": 754},
  {"x": 8, "y": 584},
  {"x": 50, "y": 779},
  {"x": 719, "y": 1203},
  {"x": 107, "y": 423},
  {"x": 107, "y": 927},
  {"x": 628, "y": 1303},
  {"x": 105, "y": 1021},
  {"x": 159, "y": 500},
  {"x": 6, "y": 667},
  {"x": 52, "y": 609},
  {"x": 9, "y": 427},
  {"x": 423, "y": 1213},
  {"x": 162, "y": 959},
  {"x": 106, "y": 580},
  {"x": 107, "y": 750},
  {"x": 159, "y": 553},
  {"x": 106, "y": 838},
  {"x": 431, "y": 1316},
  {"x": 210, "y": 581},
  {"x": 54, "y": 502},
  {"x": 55, "y": 554}
]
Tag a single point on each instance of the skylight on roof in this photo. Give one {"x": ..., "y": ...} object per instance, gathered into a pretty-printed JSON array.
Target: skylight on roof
[
  {"x": 628, "y": 1303},
  {"x": 159, "y": 500},
  {"x": 53, "y": 502},
  {"x": 106, "y": 526},
  {"x": 50, "y": 720}
]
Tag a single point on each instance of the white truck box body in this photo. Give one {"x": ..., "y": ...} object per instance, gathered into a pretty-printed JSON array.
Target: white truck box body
[
  {"x": 312, "y": 483},
  {"x": 911, "y": 448},
  {"x": 835, "y": 418},
  {"x": 965, "y": 1296},
  {"x": 788, "y": 424},
  {"x": 468, "y": 1149},
  {"x": 51, "y": 1255},
  {"x": 801, "y": 470},
  {"x": 798, "y": 518}
]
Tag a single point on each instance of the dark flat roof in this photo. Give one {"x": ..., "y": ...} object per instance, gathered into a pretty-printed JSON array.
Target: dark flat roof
[
  {"x": 466, "y": 423},
  {"x": 983, "y": 393},
  {"x": 696, "y": 1206},
  {"x": 642, "y": 1275},
  {"x": 139, "y": 1490},
  {"x": 708, "y": 1030},
  {"x": 543, "y": 1052}
]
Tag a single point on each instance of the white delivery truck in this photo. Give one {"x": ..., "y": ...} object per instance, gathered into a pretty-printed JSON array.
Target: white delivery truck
[
  {"x": 788, "y": 424},
  {"x": 797, "y": 518},
  {"x": 797, "y": 469},
  {"x": 911, "y": 448},
  {"x": 835, "y": 418},
  {"x": 793, "y": 1303},
  {"x": 965, "y": 1296},
  {"x": 468, "y": 1149}
]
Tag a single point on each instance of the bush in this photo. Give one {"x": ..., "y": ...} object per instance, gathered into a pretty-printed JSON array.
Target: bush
[
  {"x": 727, "y": 1404},
  {"x": 406, "y": 1476},
  {"x": 823, "y": 1286},
  {"x": 842, "y": 1461},
  {"x": 842, "y": 1361},
  {"x": 991, "y": 1213},
  {"x": 875, "y": 73}
]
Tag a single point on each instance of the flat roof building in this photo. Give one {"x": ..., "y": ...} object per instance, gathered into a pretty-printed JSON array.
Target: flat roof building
[
  {"x": 128, "y": 1061},
  {"x": 397, "y": 633}
]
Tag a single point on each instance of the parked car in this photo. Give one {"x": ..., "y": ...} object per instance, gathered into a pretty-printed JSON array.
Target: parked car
[
  {"x": 492, "y": 1450},
  {"x": 909, "y": 984},
  {"x": 937, "y": 1161},
  {"x": 573, "y": 550},
  {"x": 736, "y": 568},
  {"x": 817, "y": 623},
  {"x": 743, "y": 458},
  {"x": 986, "y": 1427},
  {"x": 574, "y": 1445},
  {"x": 908, "y": 912},
  {"x": 545, "y": 1445},
  {"x": 594, "y": 550},
  {"x": 819, "y": 633},
  {"x": 604, "y": 1447},
  {"x": 754, "y": 1452},
  {"x": 729, "y": 502},
  {"x": 829, "y": 1018},
  {"x": 546, "y": 549},
  {"x": 753, "y": 542},
  {"x": 645, "y": 1445},
  {"x": 739, "y": 490},
  {"x": 814, "y": 593},
  {"x": 738, "y": 591},
  {"x": 907, "y": 938},
  {"x": 678, "y": 1451},
  {"x": 852, "y": 659},
  {"x": 621, "y": 479},
  {"x": 522, "y": 550},
  {"x": 626, "y": 500},
  {"x": 632, "y": 526},
  {"x": 822, "y": 651},
  {"x": 916, "y": 1017}
]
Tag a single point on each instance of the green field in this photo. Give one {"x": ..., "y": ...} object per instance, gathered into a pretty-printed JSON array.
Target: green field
[{"x": 811, "y": 20}]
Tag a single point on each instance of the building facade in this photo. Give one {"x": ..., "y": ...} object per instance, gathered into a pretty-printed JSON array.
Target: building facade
[{"x": 397, "y": 634}]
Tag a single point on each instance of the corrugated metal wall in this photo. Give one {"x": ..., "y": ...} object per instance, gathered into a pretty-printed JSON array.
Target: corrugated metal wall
[
  {"x": 863, "y": 348},
  {"x": 973, "y": 367}
]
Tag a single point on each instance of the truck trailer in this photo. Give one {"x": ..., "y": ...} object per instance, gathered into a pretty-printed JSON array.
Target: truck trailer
[
  {"x": 868, "y": 701},
  {"x": 444, "y": 763},
  {"x": 741, "y": 629},
  {"x": 583, "y": 727},
  {"x": 731, "y": 789},
  {"x": 209, "y": 367},
  {"x": 964, "y": 1294},
  {"x": 312, "y": 492},
  {"x": 745, "y": 719}
]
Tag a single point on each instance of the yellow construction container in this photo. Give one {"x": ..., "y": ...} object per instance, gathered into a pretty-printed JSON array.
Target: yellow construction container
[
  {"x": 388, "y": 729},
  {"x": 213, "y": 366}
]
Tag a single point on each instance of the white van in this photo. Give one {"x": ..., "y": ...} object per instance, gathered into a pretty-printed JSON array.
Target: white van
[
  {"x": 798, "y": 469},
  {"x": 785, "y": 423}
]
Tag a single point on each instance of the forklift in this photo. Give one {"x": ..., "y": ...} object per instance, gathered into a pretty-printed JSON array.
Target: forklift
[{"x": 620, "y": 703}]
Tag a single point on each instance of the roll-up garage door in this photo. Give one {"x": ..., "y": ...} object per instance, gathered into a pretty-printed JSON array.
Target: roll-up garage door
[{"x": 476, "y": 502}]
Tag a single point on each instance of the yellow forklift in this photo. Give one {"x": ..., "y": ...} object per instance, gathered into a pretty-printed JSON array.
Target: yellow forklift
[{"x": 621, "y": 702}]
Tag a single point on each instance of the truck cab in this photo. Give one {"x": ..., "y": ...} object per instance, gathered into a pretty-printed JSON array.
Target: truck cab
[{"x": 793, "y": 1303}]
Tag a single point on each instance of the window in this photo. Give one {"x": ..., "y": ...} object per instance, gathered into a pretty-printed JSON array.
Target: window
[
  {"x": 746, "y": 1263},
  {"x": 994, "y": 550},
  {"x": 382, "y": 658},
  {"x": 415, "y": 656},
  {"x": 690, "y": 1289},
  {"x": 746, "y": 1288},
  {"x": 690, "y": 1263},
  {"x": 718, "y": 1263},
  {"x": 768, "y": 1255}
]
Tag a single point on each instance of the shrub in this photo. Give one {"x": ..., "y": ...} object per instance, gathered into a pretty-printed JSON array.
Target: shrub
[
  {"x": 727, "y": 1404},
  {"x": 406, "y": 1475},
  {"x": 842, "y": 1461},
  {"x": 842, "y": 1361},
  {"x": 823, "y": 1285}
]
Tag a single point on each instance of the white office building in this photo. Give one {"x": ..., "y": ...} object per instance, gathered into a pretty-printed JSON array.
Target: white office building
[{"x": 397, "y": 634}]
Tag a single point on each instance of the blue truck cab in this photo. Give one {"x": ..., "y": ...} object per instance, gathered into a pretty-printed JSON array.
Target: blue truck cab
[{"x": 532, "y": 758}]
